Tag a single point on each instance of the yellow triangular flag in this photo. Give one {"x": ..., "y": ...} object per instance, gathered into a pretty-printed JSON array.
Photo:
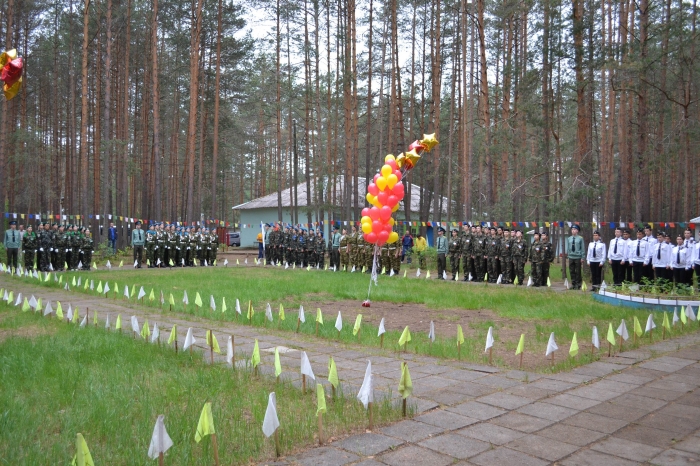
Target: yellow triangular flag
[
  {"x": 278, "y": 363},
  {"x": 75, "y": 316},
  {"x": 383, "y": 270},
  {"x": 211, "y": 341},
  {"x": 116, "y": 289},
  {"x": 48, "y": 276},
  {"x": 133, "y": 291},
  {"x": 637, "y": 327},
  {"x": 152, "y": 296},
  {"x": 206, "y": 423},
  {"x": 223, "y": 304},
  {"x": 405, "y": 337},
  {"x": 573, "y": 350},
  {"x": 404, "y": 273},
  {"x": 611, "y": 335},
  {"x": 255, "y": 358},
  {"x": 486, "y": 276},
  {"x": 99, "y": 287},
  {"x": 405, "y": 384},
  {"x": 94, "y": 265},
  {"x": 319, "y": 316},
  {"x": 171, "y": 263},
  {"x": 320, "y": 399},
  {"x": 82, "y": 455},
  {"x": 59, "y": 310},
  {"x": 237, "y": 263},
  {"x": 251, "y": 312},
  {"x": 173, "y": 335},
  {"x": 427, "y": 274},
  {"x": 148, "y": 262},
  {"x": 515, "y": 282},
  {"x": 281, "y": 313},
  {"x": 332, "y": 372},
  {"x": 358, "y": 322},
  {"x": 145, "y": 331},
  {"x": 38, "y": 305},
  {"x": 171, "y": 300},
  {"x": 549, "y": 283},
  {"x": 25, "y": 305},
  {"x": 583, "y": 286},
  {"x": 121, "y": 263},
  {"x": 118, "y": 326},
  {"x": 521, "y": 345},
  {"x": 684, "y": 319},
  {"x": 364, "y": 268},
  {"x": 198, "y": 300},
  {"x": 666, "y": 324},
  {"x": 60, "y": 279},
  {"x": 73, "y": 282},
  {"x": 460, "y": 335},
  {"x": 94, "y": 317}
]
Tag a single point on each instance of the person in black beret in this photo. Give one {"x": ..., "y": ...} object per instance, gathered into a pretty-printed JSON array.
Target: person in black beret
[
  {"x": 596, "y": 259},
  {"x": 575, "y": 253},
  {"x": 12, "y": 243}
]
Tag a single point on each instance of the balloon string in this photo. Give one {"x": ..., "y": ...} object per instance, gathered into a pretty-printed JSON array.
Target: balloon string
[{"x": 373, "y": 276}]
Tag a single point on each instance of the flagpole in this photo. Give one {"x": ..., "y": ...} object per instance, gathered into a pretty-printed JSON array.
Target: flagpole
[
  {"x": 277, "y": 444},
  {"x": 521, "y": 360},
  {"x": 160, "y": 459},
  {"x": 216, "y": 449},
  {"x": 211, "y": 347},
  {"x": 320, "y": 428},
  {"x": 303, "y": 384},
  {"x": 381, "y": 341},
  {"x": 369, "y": 407},
  {"x": 233, "y": 351},
  {"x": 298, "y": 324},
  {"x": 491, "y": 356}
]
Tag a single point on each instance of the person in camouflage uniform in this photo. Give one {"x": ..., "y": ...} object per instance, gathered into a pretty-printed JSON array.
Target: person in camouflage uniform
[
  {"x": 536, "y": 257},
  {"x": 479, "y": 249},
  {"x": 520, "y": 255},
  {"x": 466, "y": 249},
  {"x": 60, "y": 242},
  {"x": 352, "y": 248},
  {"x": 454, "y": 250},
  {"x": 547, "y": 257},
  {"x": 320, "y": 250},
  {"x": 87, "y": 247},
  {"x": 29, "y": 246},
  {"x": 394, "y": 259},
  {"x": 214, "y": 245},
  {"x": 344, "y": 254},
  {"x": 150, "y": 245},
  {"x": 492, "y": 248},
  {"x": 194, "y": 244},
  {"x": 505, "y": 255},
  {"x": 54, "y": 251},
  {"x": 45, "y": 247},
  {"x": 383, "y": 263}
]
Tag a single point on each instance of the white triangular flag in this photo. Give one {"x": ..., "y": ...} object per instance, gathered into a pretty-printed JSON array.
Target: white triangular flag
[
  {"x": 189, "y": 339},
  {"x": 270, "y": 423},
  {"x": 566, "y": 284},
  {"x": 69, "y": 313},
  {"x": 595, "y": 340},
  {"x": 158, "y": 262},
  {"x": 160, "y": 440},
  {"x": 50, "y": 268},
  {"x": 650, "y": 324},
  {"x": 109, "y": 266},
  {"x": 106, "y": 288},
  {"x": 155, "y": 334},
  {"x": 80, "y": 281},
  {"x": 238, "y": 306},
  {"x": 33, "y": 302},
  {"x": 135, "y": 325},
  {"x": 306, "y": 366},
  {"x": 366, "y": 393},
  {"x": 126, "y": 291},
  {"x": 162, "y": 298},
  {"x": 489, "y": 339},
  {"x": 142, "y": 293},
  {"x": 5, "y": 297},
  {"x": 286, "y": 265},
  {"x": 136, "y": 263},
  {"x": 48, "y": 310},
  {"x": 183, "y": 262},
  {"x": 66, "y": 287},
  {"x": 603, "y": 285},
  {"x": 205, "y": 263},
  {"x": 529, "y": 280},
  {"x": 83, "y": 322},
  {"x": 551, "y": 345},
  {"x": 391, "y": 273},
  {"x": 353, "y": 269},
  {"x": 184, "y": 298},
  {"x": 339, "y": 322},
  {"x": 225, "y": 262},
  {"x": 19, "y": 299},
  {"x": 622, "y": 330},
  {"x": 229, "y": 351},
  {"x": 107, "y": 326},
  {"x": 418, "y": 272},
  {"x": 381, "y": 327},
  {"x": 212, "y": 303},
  {"x": 80, "y": 265},
  {"x": 444, "y": 275},
  {"x": 302, "y": 316},
  {"x": 499, "y": 279},
  {"x": 431, "y": 333},
  {"x": 35, "y": 275},
  {"x": 675, "y": 315},
  {"x": 470, "y": 276},
  {"x": 268, "y": 312},
  {"x": 689, "y": 313}
]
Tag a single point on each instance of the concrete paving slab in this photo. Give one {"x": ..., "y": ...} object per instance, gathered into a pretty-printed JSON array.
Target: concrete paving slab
[
  {"x": 506, "y": 456},
  {"x": 675, "y": 457},
  {"x": 455, "y": 446},
  {"x": 571, "y": 401},
  {"x": 595, "y": 458},
  {"x": 368, "y": 444},
  {"x": 491, "y": 433},
  {"x": 628, "y": 449},
  {"x": 542, "y": 447},
  {"x": 574, "y": 435},
  {"x": 445, "y": 420},
  {"x": 476, "y": 410},
  {"x": 412, "y": 431},
  {"x": 595, "y": 422},
  {"x": 648, "y": 436},
  {"x": 522, "y": 422},
  {"x": 325, "y": 456},
  {"x": 412, "y": 455},
  {"x": 547, "y": 411},
  {"x": 504, "y": 400}
]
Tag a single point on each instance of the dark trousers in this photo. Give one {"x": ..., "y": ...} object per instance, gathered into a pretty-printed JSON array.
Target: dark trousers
[
  {"x": 12, "y": 255},
  {"x": 596, "y": 274},
  {"x": 113, "y": 245},
  {"x": 544, "y": 273},
  {"x": 662, "y": 273},
  {"x": 575, "y": 273},
  {"x": 138, "y": 255},
  {"x": 638, "y": 271},
  {"x": 697, "y": 272},
  {"x": 335, "y": 258},
  {"x": 268, "y": 253},
  {"x": 441, "y": 265},
  {"x": 679, "y": 276},
  {"x": 628, "y": 271},
  {"x": 618, "y": 272}
]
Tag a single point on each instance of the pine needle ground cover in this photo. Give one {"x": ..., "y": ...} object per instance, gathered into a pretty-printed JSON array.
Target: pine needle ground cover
[
  {"x": 511, "y": 311},
  {"x": 57, "y": 379}
]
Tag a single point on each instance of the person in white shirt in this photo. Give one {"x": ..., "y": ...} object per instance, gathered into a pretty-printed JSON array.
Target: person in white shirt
[
  {"x": 696, "y": 262},
  {"x": 680, "y": 261},
  {"x": 689, "y": 243},
  {"x": 596, "y": 259},
  {"x": 638, "y": 254},
  {"x": 661, "y": 259},
  {"x": 616, "y": 257},
  {"x": 649, "y": 238},
  {"x": 627, "y": 266}
]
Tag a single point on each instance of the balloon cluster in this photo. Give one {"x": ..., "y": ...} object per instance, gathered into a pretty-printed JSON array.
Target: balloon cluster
[
  {"x": 387, "y": 190},
  {"x": 11, "y": 74}
]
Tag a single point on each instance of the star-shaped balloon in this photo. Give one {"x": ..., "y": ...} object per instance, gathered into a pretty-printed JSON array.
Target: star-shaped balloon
[
  {"x": 412, "y": 158},
  {"x": 417, "y": 146},
  {"x": 429, "y": 141}
]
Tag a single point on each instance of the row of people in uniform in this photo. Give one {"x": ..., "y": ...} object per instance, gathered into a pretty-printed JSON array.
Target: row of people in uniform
[
  {"x": 51, "y": 246},
  {"x": 171, "y": 246},
  {"x": 654, "y": 258}
]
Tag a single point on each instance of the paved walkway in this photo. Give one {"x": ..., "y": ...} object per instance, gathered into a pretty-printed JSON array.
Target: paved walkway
[{"x": 640, "y": 407}]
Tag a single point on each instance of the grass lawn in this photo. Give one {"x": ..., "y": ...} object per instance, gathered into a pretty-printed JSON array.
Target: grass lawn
[
  {"x": 512, "y": 311},
  {"x": 57, "y": 380}
]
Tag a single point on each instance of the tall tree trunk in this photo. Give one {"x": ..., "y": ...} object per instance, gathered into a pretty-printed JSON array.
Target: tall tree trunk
[
  {"x": 155, "y": 95},
  {"x": 642, "y": 179},
  {"x": 5, "y": 122},
  {"x": 107, "y": 138},
  {"x": 84, "y": 115},
  {"x": 484, "y": 110},
  {"x": 217, "y": 81},
  {"x": 278, "y": 112},
  {"x": 435, "y": 94}
]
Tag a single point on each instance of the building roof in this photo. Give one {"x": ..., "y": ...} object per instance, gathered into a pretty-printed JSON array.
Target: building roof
[{"x": 270, "y": 201}]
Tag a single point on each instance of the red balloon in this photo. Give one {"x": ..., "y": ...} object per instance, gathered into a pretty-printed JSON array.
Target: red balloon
[
  {"x": 385, "y": 213},
  {"x": 417, "y": 146},
  {"x": 398, "y": 175},
  {"x": 371, "y": 237},
  {"x": 374, "y": 213},
  {"x": 388, "y": 227},
  {"x": 383, "y": 197},
  {"x": 365, "y": 212},
  {"x": 398, "y": 189},
  {"x": 373, "y": 189},
  {"x": 382, "y": 236},
  {"x": 392, "y": 164},
  {"x": 377, "y": 226},
  {"x": 392, "y": 201},
  {"x": 376, "y": 176}
]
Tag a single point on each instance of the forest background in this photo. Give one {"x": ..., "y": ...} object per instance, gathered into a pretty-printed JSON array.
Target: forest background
[{"x": 177, "y": 110}]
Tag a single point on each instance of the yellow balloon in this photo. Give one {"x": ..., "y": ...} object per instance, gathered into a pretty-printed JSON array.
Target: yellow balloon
[
  {"x": 366, "y": 219},
  {"x": 393, "y": 237},
  {"x": 386, "y": 171},
  {"x": 367, "y": 227},
  {"x": 391, "y": 180},
  {"x": 392, "y": 221},
  {"x": 396, "y": 207},
  {"x": 381, "y": 181},
  {"x": 375, "y": 202},
  {"x": 369, "y": 198},
  {"x": 389, "y": 157}
]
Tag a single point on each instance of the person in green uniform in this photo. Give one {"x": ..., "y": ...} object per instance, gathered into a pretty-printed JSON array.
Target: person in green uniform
[
  {"x": 214, "y": 241},
  {"x": 575, "y": 252},
  {"x": 505, "y": 255},
  {"x": 12, "y": 242},
  {"x": 455, "y": 253},
  {"x": 344, "y": 250},
  {"x": 352, "y": 248},
  {"x": 520, "y": 252},
  {"x": 138, "y": 240},
  {"x": 536, "y": 258},
  {"x": 479, "y": 249},
  {"x": 394, "y": 257},
  {"x": 87, "y": 246},
  {"x": 465, "y": 249},
  {"x": 193, "y": 252},
  {"x": 150, "y": 245},
  {"x": 441, "y": 246},
  {"x": 547, "y": 257},
  {"x": 59, "y": 245},
  {"x": 492, "y": 248},
  {"x": 29, "y": 245}
]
